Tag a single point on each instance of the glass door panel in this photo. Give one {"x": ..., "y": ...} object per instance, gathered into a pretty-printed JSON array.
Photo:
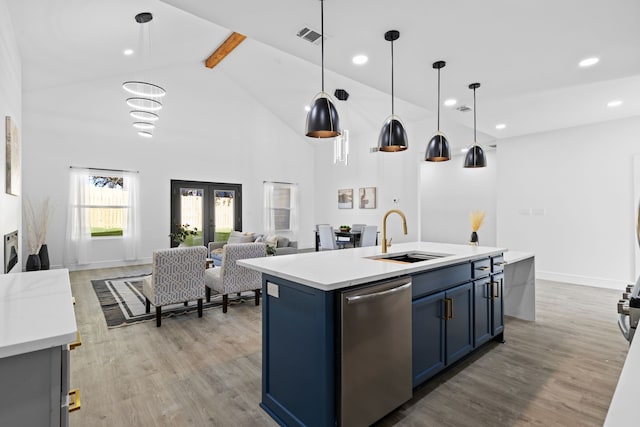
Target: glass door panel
[
  {"x": 224, "y": 214},
  {"x": 192, "y": 213}
]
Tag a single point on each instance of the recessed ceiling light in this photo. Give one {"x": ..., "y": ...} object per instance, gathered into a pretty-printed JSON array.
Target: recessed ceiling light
[
  {"x": 450, "y": 102},
  {"x": 501, "y": 126},
  {"x": 360, "y": 59},
  {"x": 307, "y": 108},
  {"x": 615, "y": 103},
  {"x": 588, "y": 62},
  {"x": 128, "y": 52}
]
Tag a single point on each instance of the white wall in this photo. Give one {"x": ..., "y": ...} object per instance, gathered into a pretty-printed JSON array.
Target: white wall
[
  {"x": 449, "y": 192},
  {"x": 568, "y": 196},
  {"x": 10, "y": 105},
  {"x": 210, "y": 130}
]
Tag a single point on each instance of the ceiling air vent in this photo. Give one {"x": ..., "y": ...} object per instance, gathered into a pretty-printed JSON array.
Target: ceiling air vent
[
  {"x": 464, "y": 108},
  {"x": 312, "y": 36}
]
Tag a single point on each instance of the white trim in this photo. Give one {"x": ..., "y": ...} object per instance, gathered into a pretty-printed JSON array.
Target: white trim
[
  {"x": 597, "y": 282},
  {"x": 106, "y": 264}
]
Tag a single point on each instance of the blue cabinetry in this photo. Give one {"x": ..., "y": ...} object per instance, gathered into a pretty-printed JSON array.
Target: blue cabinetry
[
  {"x": 442, "y": 321},
  {"x": 482, "y": 311},
  {"x": 497, "y": 305}
]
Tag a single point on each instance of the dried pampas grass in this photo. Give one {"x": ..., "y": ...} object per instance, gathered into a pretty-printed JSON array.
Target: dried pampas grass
[
  {"x": 477, "y": 218},
  {"x": 37, "y": 224}
]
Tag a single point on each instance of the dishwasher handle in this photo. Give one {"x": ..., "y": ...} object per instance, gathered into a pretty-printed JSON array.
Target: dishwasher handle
[{"x": 362, "y": 298}]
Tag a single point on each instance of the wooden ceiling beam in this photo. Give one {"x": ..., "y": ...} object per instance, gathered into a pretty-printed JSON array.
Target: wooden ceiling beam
[{"x": 224, "y": 49}]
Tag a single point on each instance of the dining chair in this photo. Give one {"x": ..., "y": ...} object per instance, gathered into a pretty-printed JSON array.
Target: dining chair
[
  {"x": 358, "y": 227},
  {"x": 369, "y": 235},
  {"x": 328, "y": 240}
]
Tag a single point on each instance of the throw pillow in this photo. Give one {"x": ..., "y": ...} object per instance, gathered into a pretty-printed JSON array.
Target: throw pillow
[
  {"x": 260, "y": 238},
  {"x": 240, "y": 239},
  {"x": 283, "y": 242},
  {"x": 272, "y": 240}
]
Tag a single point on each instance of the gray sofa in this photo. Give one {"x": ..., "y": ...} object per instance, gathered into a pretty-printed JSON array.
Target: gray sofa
[{"x": 283, "y": 246}]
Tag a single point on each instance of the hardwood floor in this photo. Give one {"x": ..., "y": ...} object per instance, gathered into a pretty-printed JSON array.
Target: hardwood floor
[{"x": 558, "y": 371}]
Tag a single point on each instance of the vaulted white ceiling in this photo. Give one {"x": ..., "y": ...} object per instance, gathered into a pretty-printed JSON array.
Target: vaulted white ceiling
[{"x": 525, "y": 53}]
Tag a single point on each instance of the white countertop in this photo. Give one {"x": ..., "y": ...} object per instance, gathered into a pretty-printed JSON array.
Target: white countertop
[
  {"x": 36, "y": 311},
  {"x": 623, "y": 410},
  {"x": 515, "y": 256},
  {"x": 342, "y": 268}
]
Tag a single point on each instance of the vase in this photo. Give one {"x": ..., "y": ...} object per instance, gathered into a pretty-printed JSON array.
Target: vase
[
  {"x": 33, "y": 262},
  {"x": 43, "y": 254},
  {"x": 473, "y": 240}
]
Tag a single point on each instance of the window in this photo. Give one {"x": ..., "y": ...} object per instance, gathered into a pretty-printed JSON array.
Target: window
[
  {"x": 281, "y": 204},
  {"x": 101, "y": 203},
  {"x": 108, "y": 204}
]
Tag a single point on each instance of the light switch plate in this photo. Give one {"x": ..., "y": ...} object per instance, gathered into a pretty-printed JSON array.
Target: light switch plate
[{"x": 273, "y": 290}]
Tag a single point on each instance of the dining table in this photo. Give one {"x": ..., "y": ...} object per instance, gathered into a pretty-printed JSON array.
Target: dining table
[{"x": 352, "y": 235}]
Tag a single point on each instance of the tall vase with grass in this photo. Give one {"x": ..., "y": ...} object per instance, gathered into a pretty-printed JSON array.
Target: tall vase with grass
[
  {"x": 477, "y": 218},
  {"x": 37, "y": 223}
]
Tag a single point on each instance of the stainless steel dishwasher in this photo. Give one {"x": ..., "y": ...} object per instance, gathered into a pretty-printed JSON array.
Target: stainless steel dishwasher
[{"x": 375, "y": 351}]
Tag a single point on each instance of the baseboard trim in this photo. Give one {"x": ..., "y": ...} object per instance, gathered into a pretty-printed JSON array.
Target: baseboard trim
[
  {"x": 597, "y": 282},
  {"x": 107, "y": 264}
]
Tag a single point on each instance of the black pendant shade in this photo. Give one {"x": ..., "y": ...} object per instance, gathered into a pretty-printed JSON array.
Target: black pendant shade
[
  {"x": 475, "y": 157},
  {"x": 322, "y": 119},
  {"x": 438, "y": 147},
  {"x": 393, "y": 136}
]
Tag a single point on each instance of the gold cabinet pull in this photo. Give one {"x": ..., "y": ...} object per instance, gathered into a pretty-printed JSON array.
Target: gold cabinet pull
[
  {"x": 74, "y": 399},
  {"x": 448, "y": 308},
  {"x": 77, "y": 342},
  {"x": 485, "y": 268},
  {"x": 495, "y": 294}
]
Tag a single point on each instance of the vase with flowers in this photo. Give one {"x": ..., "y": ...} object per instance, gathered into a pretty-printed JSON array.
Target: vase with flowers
[
  {"x": 477, "y": 218},
  {"x": 184, "y": 234}
]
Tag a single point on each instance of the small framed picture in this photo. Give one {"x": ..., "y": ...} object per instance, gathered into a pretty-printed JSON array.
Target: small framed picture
[
  {"x": 345, "y": 198},
  {"x": 368, "y": 198}
]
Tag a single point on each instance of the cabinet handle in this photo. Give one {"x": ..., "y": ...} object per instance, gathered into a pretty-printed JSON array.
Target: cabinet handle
[
  {"x": 74, "y": 399},
  {"x": 448, "y": 308},
  {"x": 501, "y": 264},
  {"x": 485, "y": 268},
  {"x": 77, "y": 342},
  {"x": 497, "y": 292}
]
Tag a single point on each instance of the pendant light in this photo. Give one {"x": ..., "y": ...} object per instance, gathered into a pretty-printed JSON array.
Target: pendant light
[
  {"x": 438, "y": 148},
  {"x": 146, "y": 96},
  {"x": 475, "y": 157},
  {"x": 392, "y": 137},
  {"x": 322, "y": 118}
]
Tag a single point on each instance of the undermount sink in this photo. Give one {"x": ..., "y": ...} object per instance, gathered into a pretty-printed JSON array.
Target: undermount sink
[{"x": 408, "y": 257}]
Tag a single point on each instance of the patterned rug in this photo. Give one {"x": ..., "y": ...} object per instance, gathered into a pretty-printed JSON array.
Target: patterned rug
[{"x": 123, "y": 304}]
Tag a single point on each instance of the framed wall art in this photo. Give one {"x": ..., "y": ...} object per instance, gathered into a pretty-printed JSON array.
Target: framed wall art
[
  {"x": 13, "y": 157},
  {"x": 368, "y": 198},
  {"x": 345, "y": 198}
]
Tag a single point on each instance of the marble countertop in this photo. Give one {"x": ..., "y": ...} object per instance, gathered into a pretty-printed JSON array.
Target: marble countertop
[
  {"x": 515, "y": 256},
  {"x": 36, "y": 311},
  {"x": 623, "y": 410},
  {"x": 337, "y": 269}
]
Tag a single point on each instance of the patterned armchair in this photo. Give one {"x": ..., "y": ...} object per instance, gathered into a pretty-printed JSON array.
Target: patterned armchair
[
  {"x": 177, "y": 276},
  {"x": 231, "y": 277}
]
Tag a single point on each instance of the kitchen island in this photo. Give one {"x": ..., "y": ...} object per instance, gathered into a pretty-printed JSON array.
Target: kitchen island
[{"x": 455, "y": 304}]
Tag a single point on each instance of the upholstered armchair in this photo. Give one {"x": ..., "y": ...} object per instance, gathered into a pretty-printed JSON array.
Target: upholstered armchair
[
  {"x": 232, "y": 278},
  {"x": 177, "y": 276}
]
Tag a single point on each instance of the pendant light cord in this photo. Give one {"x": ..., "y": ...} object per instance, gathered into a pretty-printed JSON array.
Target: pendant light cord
[
  {"x": 322, "y": 38},
  {"x": 475, "y": 142},
  {"x": 438, "y": 99},
  {"x": 392, "y": 95}
]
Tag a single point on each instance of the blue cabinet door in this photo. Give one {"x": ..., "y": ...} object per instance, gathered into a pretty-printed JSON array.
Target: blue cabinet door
[
  {"x": 497, "y": 304},
  {"x": 459, "y": 332},
  {"x": 482, "y": 311},
  {"x": 428, "y": 336}
]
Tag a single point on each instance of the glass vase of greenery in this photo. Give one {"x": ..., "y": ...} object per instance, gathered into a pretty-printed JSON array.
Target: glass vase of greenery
[{"x": 182, "y": 232}]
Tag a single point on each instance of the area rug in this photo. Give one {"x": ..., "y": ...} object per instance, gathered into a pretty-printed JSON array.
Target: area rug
[{"x": 123, "y": 304}]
